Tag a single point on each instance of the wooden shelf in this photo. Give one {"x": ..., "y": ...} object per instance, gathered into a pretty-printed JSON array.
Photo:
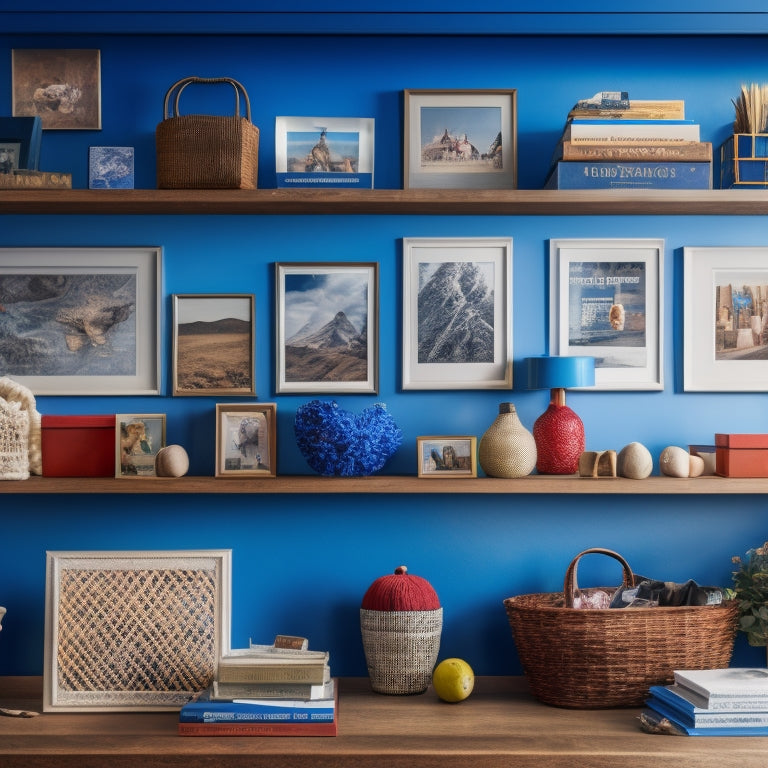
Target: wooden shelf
[
  {"x": 499, "y": 725},
  {"x": 386, "y": 201},
  {"x": 391, "y": 484}
]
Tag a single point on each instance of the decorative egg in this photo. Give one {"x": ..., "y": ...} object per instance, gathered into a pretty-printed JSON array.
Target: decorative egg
[
  {"x": 634, "y": 461},
  {"x": 171, "y": 461},
  {"x": 675, "y": 462},
  {"x": 696, "y": 466}
]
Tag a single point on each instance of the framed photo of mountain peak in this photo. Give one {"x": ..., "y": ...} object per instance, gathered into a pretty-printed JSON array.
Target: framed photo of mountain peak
[
  {"x": 327, "y": 327},
  {"x": 460, "y": 139}
]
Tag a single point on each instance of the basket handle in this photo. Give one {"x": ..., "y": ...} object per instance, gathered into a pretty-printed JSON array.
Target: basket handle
[
  {"x": 180, "y": 85},
  {"x": 570, "y": 586}
]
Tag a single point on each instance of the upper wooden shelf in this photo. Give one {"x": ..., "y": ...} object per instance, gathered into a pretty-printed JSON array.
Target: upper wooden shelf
[
  {"x": 452, "y": 202},
  {"x": 303, "y": 484}
]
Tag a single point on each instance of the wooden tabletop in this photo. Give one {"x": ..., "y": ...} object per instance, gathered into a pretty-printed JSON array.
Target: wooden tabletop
[{"x": 499, "y": 726}]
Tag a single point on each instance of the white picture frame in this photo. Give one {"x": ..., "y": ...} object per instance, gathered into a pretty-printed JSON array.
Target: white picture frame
[
  {"x": 324, "y": 152},
  {"x": 57, "y": 355},
  {"x": 724, "y": 286},
  {"x": 606, "y": 302},
  {"x": 453, "y": 366},
  {"x": 146, "y": 627}
]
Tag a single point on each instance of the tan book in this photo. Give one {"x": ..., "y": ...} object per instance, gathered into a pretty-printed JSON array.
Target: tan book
[
  {"x": 691, "y": 151},
  {"x": 274, "y": 673},
  {"x": 665, "y": 109},
  {"x": 35, "y": 180}
]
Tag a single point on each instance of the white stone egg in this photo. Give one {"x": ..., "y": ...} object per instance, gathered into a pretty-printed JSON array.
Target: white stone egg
[
  {"x": 675, "y": 461},
  {"x": 696, "y": 466},
  {"x": 634, "y": 461}
]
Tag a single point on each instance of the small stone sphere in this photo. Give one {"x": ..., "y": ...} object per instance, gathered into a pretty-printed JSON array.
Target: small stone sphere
[
  {"x": 697, "y": 466},
  {"x": 675, "y": 462},
  {"x": 171, "y": 461},
  {"x": 634, "y": 461}
]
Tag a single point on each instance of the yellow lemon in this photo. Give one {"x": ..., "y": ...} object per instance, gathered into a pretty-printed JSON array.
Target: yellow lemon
[{"x": 453, "y": 680}]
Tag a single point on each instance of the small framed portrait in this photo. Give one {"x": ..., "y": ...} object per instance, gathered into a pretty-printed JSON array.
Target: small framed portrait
[
  {"x": 457, "y": 313},
  {"x": 246, "y": 440},
  {"x": 460, "y": 139},
  {"x": 139, "y": 438},
  {"x": 324, "y": 152},
  {"x": 61, "y": 86},
  {"x": 606, "y": 300},
  {"x": 725, "y": 319},
  {"x": 213, "y": 344},
  {"x": 327, "y": 327},
  {"x": 19, "y": 143},
  {"x": 447, "y": 456}
]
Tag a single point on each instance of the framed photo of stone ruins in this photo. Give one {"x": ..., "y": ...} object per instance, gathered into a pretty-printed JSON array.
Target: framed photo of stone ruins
[{"x": 725, "y": 321}]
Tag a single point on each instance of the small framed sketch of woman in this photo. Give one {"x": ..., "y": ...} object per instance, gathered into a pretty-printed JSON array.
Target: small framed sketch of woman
[{"x": 246, "y": 439}]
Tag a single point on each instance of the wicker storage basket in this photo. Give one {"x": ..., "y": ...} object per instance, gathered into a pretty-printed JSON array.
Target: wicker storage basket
[
  {"x": 206, "y": 151},
  {"x": 593, "y": 659}
]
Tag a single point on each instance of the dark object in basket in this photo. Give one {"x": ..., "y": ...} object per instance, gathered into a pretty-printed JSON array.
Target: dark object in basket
[
  {"x": 596, "y": 659},
  {"x": 206, "y": 151}
]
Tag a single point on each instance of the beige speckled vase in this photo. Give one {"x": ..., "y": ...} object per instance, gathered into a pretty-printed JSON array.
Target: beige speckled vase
[{"x": 507, "y": 449}]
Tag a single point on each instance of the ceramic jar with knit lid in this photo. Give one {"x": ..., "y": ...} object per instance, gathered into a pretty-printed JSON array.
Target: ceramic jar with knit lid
[
  {"x": 401, "y": 621},
  {"x": 507, "y": 449}
]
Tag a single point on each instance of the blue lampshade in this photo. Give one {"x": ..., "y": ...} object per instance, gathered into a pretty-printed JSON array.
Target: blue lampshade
[{"x": 560, "y": 372}]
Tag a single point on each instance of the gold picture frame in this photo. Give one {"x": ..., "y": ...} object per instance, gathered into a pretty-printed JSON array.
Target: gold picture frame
[{"x": 444, "y": 456}]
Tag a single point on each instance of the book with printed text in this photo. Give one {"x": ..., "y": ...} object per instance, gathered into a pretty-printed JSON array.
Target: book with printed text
[
  {"x": 708, "y": 718},
  {"x": 584, "y": 130},
  {"x": 676, "y": 151},
  {"x": 653, "y": 721},
  {"x": 258, "y": 729},
  {"x": 271, "y": 690},
  {"x": 639, "y": 175},
  {"x": 691, "y": 702}
]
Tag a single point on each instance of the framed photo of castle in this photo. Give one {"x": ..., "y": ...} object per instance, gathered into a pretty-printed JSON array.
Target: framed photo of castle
[
  {"x": 246, "y": 440},
  {"x": 460, "y": 139},
  {"x": 327, "y": 327},
  {"x": 457, "y": 313},
  {"x": 725, "y": 319}
]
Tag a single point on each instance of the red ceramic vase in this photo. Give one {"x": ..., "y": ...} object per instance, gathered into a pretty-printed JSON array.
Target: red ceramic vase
[{"x": 559, "y": 436}]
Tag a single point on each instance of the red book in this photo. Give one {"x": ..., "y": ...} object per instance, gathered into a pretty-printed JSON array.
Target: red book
[{"x": 258, "y": 729}]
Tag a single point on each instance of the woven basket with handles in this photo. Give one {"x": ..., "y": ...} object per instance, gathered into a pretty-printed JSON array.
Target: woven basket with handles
[
  {"x": 206, "y": 151},
  {"x": 600, "y": 658}
]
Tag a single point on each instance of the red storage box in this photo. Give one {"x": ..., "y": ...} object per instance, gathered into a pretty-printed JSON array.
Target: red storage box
[
  {"x": 78, "y": 446},
  {"x": 741, "y": 455}
]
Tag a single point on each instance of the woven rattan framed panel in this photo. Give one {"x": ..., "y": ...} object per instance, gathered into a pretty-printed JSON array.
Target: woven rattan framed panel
[{"x": 133, "y": 631}]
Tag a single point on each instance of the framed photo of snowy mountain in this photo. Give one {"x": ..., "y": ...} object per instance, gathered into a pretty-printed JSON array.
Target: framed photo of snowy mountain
[
  {"x": 460, "y": 139},
  {"x": 457, "y": 313},
  {"x": 327, "y": 327}
]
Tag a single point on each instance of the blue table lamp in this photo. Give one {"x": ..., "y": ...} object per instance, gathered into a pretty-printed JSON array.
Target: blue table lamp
[{"x": 559, "y": 432}]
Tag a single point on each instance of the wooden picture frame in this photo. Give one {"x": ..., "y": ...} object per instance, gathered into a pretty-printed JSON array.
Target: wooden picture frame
[
  {"x": 441, "y": 351},
  {"x": 460, "y": 139},
  {"x": 89, "y": 319},
  {"x": 19, "y": 143},
  {"x": 316, "y": 305},
  {"x": 138, "y": 439},
  {"x": 246, "y": 440},
  {"x": 213, "y": 344},
  {"x": 725, "y": 321},
  {"x": 133, "y": 630},
  {"x": 447, "y": 456},
  {"x": 606, "y": 302}
]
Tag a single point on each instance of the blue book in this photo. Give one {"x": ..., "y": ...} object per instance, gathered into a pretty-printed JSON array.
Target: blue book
[
  {"x": 655, "y": 721},
  {"x": 710, "y": 720},
  {"x": 692, "y": 703},
  {"x": 630, "y": 175}
]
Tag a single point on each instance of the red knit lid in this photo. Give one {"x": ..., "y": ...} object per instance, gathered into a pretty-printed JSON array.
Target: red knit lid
[{"x": 400, "y": 591}]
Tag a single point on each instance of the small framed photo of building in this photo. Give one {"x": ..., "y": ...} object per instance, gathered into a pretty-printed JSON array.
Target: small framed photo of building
[
  {"x": 327, "y": 327},
  {"x": 449, "y": 456},
  {"x": 460, "y": 139},
  {"x": 725, "y": 319},
  {"x": 324, "y": 152},
  {"x": 213, "y": 344},
  {"x": 246, "y": 440},
  {"x": 139, "y": 438},
  {"x": 61, "y": 85},
  {"x": 606, "y": 300},
  {"x": 457, "y": 313}
]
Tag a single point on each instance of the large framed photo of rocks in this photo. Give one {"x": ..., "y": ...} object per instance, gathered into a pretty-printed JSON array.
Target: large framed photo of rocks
[{"x": 81, "y": 321}]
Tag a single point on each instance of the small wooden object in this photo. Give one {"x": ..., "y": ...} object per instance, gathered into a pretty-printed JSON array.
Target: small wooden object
[{"x": 597, "y": 464}]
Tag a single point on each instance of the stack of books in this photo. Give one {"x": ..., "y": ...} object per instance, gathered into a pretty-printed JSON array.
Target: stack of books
[
  {"x": 266, "y": 690},
  {"x": 613, "y": 142},
  {"x": 712, "y": 702}
]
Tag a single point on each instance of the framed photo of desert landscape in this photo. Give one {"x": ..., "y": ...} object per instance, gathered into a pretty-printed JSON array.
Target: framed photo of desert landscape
[
  {"x": 213, "y": 344},
  {"x": 327, "y": 327},
  {"x": 60, "y": 85},
  {"x": 447, "y": 456},
  {"x": 138, "y": 439},
  {"x": 82, "y": 321},
  {"x": 134, "y": 631},
  {"x": 455, "y": 139},
  {"x": 606, "y": 300},
  {"x": 450, "y": 341},
  {"x": 246, "y": 440},
  {"x": 725, "y": 323}
]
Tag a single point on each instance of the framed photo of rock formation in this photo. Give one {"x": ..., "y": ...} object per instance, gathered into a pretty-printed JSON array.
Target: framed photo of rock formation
[
  {"x": 457, "y": 313},
  {"x": 327, "y": 327},
  {"x": 82, "y": 321}
]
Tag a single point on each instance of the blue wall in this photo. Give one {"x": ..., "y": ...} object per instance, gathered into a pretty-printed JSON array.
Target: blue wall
[{"x": 302, "y": 564}]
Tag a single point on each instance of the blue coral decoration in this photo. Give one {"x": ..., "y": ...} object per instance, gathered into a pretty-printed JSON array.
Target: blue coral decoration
[{"x": 337, "y": 443}]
